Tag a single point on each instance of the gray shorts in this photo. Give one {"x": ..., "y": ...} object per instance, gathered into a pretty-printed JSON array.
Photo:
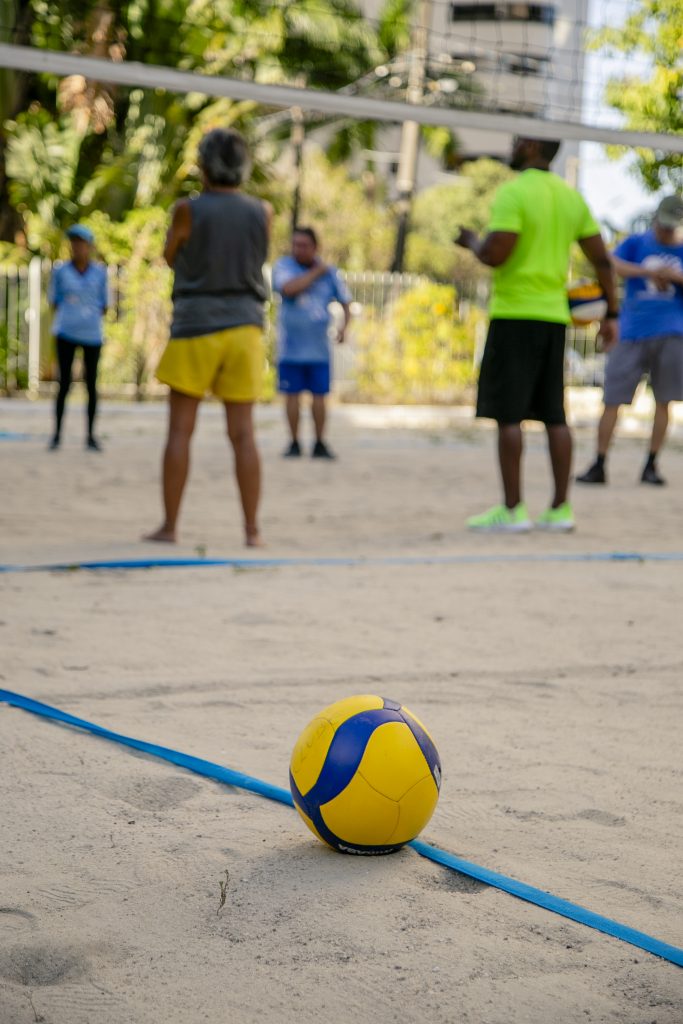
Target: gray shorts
[{"x": 661, "y": 359}]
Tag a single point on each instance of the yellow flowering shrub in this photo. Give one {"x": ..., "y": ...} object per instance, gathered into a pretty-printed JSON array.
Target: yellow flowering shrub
[{"x": 420, "y": 351}]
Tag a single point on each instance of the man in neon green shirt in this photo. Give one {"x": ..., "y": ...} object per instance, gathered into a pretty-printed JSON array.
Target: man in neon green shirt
[{"x": 535, "y": 220}]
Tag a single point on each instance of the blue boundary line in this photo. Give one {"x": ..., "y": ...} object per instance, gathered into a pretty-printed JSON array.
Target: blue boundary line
[
  {"x": 348, "y": 561},
  {"x": 230, "y": 777}
]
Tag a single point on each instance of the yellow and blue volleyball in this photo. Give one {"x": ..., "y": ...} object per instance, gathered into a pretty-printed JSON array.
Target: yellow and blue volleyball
[
  {"x": 587, "y": 302},
  {"x": 365, "y": 775}
]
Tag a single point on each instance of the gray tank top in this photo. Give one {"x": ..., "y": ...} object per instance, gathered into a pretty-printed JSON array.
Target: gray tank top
[{"x": 218, "y": 280}]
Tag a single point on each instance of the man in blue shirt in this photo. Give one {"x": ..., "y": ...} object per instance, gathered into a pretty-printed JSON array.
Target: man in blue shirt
[
  {"x": 651, "y": 333},
  {"x": 78, "y": 294},
  {"x": 307, "y": 288}
]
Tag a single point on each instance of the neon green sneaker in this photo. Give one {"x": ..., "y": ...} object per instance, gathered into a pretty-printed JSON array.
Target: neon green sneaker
[
  {"x": 560, "y": 519},
  {"x": 501, "y": 519}
]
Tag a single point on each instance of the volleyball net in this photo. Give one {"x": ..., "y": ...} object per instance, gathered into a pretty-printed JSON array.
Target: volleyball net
[{"x": 501, "y": 67}]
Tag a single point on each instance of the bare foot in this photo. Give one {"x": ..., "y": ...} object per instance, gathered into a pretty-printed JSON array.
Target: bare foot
[
  {"x": 162, "y": 535},
  {"x": 253, "y": 538}
]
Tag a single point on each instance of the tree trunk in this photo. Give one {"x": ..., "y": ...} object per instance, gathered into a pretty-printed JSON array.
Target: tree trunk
[{"x": 16, "y": 18}]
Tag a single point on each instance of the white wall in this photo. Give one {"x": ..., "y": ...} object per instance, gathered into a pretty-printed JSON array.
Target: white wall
[{"x": 556, "y": 91}]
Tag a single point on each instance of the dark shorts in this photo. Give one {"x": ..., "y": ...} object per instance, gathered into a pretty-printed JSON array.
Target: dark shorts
[
  {"x": 660, "y": 358},
  {"x": 522, "y": 372},
  {"x": 296, "y": 377}
]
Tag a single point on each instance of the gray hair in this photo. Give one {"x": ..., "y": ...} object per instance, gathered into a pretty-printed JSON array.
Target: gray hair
[{"x": 224, "y": 157}]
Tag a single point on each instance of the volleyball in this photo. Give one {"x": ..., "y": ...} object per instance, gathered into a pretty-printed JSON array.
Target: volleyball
[
  {"x": 587, "y": 302},
  {"x": 365, "y": 775}
]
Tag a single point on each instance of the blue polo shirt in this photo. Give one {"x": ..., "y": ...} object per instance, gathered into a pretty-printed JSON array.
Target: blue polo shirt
[
  {"x": 304, "y": 319},
  {"x": 80, "y": 301},
  {"x": 646, "y": 312}
]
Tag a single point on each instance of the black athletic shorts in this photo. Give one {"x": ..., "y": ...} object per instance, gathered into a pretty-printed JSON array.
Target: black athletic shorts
[{"x": 522, "y": 372}]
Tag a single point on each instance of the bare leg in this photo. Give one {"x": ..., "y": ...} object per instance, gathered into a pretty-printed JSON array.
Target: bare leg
[
  {"x": 319, "y": 416},
  {"x": 292, "y": 407},
  {"x": 510, "y": 458},
  {"x": 247, "y": 465},
  {"x": 560, "y": 448},
  {"x": 181, "y": 422},
  {"x": 608, "y": 422},
  {"x": 659, "y": 426}
]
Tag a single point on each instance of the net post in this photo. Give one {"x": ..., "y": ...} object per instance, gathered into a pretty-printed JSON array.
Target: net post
[{"x": 33, "y": 311}]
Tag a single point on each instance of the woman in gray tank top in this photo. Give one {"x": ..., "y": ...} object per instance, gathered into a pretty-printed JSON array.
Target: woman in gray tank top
[{"x": 217, "y": 245}]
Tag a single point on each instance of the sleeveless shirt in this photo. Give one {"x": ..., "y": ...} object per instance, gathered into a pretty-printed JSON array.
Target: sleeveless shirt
[{"x": 218, "y": 273}]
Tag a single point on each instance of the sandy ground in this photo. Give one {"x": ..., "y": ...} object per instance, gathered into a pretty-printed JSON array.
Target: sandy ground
[{"x": 553, "y": 691}]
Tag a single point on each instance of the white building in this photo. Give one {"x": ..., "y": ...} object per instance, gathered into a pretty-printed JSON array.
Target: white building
[{"x": 522, "y": 58}]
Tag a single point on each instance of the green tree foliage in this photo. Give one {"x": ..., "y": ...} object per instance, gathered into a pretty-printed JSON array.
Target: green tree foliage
[
  {"x": 323, "y": 39},
  {"x": 15, "y": 21},
  {"x": 355, "y": 232},
  {"x": 418, "y": 351},
  {"x": 140, "y": 286},
  {"x": 123, "y": 148},
  {"x": 394, "y": 26},
  {"x": 652, "y": 101},
  {"x": 42, "y": 161},
  {"x": 440, "y": 211}
]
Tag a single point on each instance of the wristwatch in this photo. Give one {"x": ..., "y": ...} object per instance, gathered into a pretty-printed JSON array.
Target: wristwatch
[{"x": 612, "y": 314}]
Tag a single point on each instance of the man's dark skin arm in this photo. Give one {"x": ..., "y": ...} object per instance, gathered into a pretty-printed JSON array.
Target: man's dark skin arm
[
  {"x": 347, "y": 320},
  {"x": 301, "y": 282},
  {"x": 594, "y": 249},
  {"x": 493, "y": 250}
]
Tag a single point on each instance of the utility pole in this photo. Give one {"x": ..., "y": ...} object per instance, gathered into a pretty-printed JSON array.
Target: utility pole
[
  {"x": 410, "y": 133},
  {"x": 297, "y": 143},
  {"x": 571, "y": 173},
  {"x": 297, "y": 138}
]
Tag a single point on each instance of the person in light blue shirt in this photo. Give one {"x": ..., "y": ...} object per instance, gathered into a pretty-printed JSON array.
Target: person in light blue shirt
[
  {"x": 651, "y": 334},
  {"x": 78, "y": 295},
  {"x": 307, "y": 287}
]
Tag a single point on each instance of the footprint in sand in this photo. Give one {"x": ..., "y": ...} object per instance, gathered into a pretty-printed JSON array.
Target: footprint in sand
[{"x": 12, "y": 919}]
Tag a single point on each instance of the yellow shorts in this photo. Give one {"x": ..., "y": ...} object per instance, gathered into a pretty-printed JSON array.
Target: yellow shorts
[{"x": 228, "y": 363}]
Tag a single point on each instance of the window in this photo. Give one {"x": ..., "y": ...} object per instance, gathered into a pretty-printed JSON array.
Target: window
[
  {"x": 543, "y": 14},
  {"x": 507, "y": 63}
]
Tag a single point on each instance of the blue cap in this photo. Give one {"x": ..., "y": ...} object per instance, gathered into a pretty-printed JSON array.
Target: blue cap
[{"x": 80, "y": 231}]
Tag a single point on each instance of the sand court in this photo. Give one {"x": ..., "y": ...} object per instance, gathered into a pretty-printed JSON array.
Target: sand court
[{"x": 552, "y": 690}]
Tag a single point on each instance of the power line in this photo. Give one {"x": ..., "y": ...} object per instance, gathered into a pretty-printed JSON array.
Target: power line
[{"x": 410, "y": 132}]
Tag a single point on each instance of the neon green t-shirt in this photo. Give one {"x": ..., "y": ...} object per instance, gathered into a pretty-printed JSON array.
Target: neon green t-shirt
[{"x": 548, "y": 215}]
